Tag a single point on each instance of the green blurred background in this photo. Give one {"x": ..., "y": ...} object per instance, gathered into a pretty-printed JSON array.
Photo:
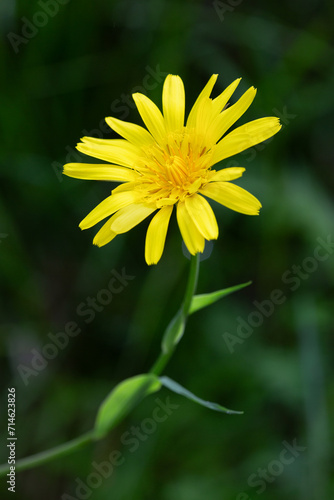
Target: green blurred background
[{"x": 65, "y": 65}]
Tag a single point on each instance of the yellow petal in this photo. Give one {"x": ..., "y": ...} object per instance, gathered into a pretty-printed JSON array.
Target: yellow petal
[
  {"x": 107, "y": 207},
  {"x": 202, "y": 215},
  {"x": 127, "y": 186},
  {"x": 104, "y": 235},
  {"x": 151, "y": 116},
  {"x": 226, "y": 174},
  {"x": 135, "y": 134},
  {"x": 220, "y": 102},
  {"x": 230, "y": 115},
  {"x": 192, "y": 118},
  {"x": 204, "y": 117},
  {"x": 173, "y": 103},
  {"x": 111, "y": 144},
  {"x": 98, "y": 172},
  {"x": 162, "y": 202},
  {"x": 117, "y": 151},
  {"x": 107, "y": 142},
  {"x": 233, "y": 197},
  {"x": 129, "y": 217},
  {"x": 156, "y": 235},
  {"x": 192, "y": 238},
  {"x": 246, "y": 136}
]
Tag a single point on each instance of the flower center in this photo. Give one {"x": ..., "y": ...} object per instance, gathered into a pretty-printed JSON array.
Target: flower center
[{"x": 175, "y": 170}]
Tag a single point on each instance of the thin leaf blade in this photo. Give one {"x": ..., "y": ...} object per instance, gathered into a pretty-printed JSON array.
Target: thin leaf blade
[
  {"x": 122, "y": 399},
  {"x": 174, "y": 332},
  {"x": 206, "y": 299},
  {"x": 179, "y": 389}
]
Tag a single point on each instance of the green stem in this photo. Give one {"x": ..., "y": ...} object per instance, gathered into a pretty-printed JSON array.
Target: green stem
[
  {"x": 46, "y": 456},
  {"x": 161, "y": 362},
  {"x": 164, "y": 357},
  {"x": 192, "y": 284},
  {"x": 159, "y": 365}
]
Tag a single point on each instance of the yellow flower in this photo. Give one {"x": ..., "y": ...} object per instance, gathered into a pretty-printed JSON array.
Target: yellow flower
[{"x": 171, "y": 164}]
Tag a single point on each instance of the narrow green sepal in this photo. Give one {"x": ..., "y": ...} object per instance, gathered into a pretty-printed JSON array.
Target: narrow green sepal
[
  {"x": 200, "y": 301},
  {"x": 122, "y": 399},
  {"x": 175, "y": 387},
  {"x": 174, "y": 332}
]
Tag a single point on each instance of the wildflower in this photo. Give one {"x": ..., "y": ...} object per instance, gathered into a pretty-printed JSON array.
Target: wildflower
[{"x": 171, "y": 163}]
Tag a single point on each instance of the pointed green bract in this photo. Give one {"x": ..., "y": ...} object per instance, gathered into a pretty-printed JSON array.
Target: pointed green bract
[
  {"x": 175, "y": 387},
  {"x": 200, "y": 301},
  {"x": 122, "y": 399},
  {"x": 174, "y": 332}
]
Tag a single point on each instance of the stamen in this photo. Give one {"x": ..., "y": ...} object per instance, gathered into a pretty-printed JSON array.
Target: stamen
[{"x": 178, "y": 169}]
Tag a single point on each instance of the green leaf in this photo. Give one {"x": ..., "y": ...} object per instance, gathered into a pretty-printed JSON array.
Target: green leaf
[
  {"x": 174, "y": 332},
  {"x": 201, "y": 301},
  {"x": 175, "y": 387},
  {"x": 122, "y": 399}
]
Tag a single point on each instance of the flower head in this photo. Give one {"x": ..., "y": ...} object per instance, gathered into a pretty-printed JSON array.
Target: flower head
[{"x": 171, "y": 163}]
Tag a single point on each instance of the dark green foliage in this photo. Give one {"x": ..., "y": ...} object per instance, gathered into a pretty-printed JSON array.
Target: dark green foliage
[{"x": 266, "y": 350}]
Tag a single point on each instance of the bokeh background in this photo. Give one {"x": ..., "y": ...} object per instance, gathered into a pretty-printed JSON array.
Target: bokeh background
[{"x": 65, "y": 65}]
